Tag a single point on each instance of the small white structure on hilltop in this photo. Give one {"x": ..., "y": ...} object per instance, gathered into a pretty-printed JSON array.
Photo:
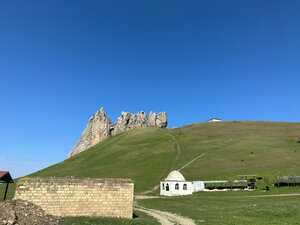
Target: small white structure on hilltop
[
  {"x": 175, "y": 184},
  {"x": 214, "y": 120}
]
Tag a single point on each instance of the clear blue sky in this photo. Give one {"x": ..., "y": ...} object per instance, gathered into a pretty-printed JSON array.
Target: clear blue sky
[{"x": 60, "y": 61}]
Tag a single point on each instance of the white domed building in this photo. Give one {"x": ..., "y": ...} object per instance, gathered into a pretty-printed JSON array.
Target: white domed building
[{"x": 175, "y": 184}]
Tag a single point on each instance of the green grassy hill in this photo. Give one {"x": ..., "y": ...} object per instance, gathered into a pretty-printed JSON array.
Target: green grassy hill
[{"x": 228, "y": 148}]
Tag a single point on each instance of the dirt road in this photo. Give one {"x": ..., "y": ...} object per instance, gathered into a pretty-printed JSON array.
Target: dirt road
[{"x": 165, "y": 218}]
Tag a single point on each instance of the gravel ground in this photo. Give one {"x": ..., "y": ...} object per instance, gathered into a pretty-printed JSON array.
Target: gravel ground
[{"x": 19, "y": 212}]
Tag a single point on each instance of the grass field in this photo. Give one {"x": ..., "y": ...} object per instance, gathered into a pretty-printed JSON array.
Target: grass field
[
  {"x": 236, "y": 207},
  {"x": 229, "y": 149},
  {"x": 140, "y": 219},
  {"x": 144, "y": 155},
  {"x": 231, "y": 207},
  {"x": 10, "y": 191},
  {"x": 148, "y": 155}
]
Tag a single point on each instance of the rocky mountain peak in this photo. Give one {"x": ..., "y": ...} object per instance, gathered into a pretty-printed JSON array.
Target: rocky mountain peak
[
  {"x": 100, "y": 127},
  {"x": 96, "y": 131}
]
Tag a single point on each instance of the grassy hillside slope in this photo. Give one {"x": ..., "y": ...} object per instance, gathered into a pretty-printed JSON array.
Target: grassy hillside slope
[
  {"x": 230, "y": 148},
  {"x": 145, "y": 155}
]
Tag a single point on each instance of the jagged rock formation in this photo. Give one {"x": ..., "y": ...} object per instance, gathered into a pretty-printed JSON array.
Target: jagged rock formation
[
  {"x": 100, "y": 127},
  {"x": 96, "y": 131}
]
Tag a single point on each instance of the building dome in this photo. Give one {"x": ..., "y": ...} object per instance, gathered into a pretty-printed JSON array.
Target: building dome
[{"x": 175, "y": 176}]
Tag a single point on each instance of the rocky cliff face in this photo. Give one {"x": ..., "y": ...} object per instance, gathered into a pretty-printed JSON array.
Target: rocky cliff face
[
  {"x": 100, "y": 127},
  {"x": 96, "y": 131}
]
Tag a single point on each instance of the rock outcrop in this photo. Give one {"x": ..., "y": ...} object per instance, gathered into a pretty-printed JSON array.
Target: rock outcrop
[
  {"x": 129, "y": 121},
  {"x": 97, "y": 130},
  {"x": 100, "y": 127}
]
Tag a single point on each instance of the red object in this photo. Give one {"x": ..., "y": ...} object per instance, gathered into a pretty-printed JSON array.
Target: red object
[{"x": 5, "y": 177}]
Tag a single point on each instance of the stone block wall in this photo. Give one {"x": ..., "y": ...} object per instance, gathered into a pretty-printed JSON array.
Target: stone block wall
[{"x": 72, "y": 196}]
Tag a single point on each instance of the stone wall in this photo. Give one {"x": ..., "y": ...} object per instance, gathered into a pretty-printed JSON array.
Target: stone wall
[{"x": 71, "y": 196}]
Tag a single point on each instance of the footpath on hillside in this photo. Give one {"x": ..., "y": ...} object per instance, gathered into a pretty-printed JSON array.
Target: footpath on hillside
[{"x": 167, "y": 218}]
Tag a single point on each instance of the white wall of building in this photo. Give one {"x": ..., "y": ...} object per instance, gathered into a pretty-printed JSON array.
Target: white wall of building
[
  {"x": 176, "y": 188},
  {"x": 198, "y": 185},
  {"x": 214, "y": 120}
]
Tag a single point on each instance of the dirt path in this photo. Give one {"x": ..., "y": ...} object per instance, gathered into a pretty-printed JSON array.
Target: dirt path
[
  {"x": 192, "y": 161},
  {"x": 177, "y": 157},
  {"x": 178, "y": 151},
  {"x": 203, "y": 154},
  {"x": 147, "y": 197},
  {"x": 150, "y": 191},
  {"x": 166, "y": 218}
]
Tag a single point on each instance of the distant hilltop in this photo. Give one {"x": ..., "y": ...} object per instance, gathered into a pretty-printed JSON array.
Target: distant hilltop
[{"x": 100, "y": 127}]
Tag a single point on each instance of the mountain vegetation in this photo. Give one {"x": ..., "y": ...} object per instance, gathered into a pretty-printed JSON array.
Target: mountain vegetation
[
  {"x": 201, "y": 151},
  {"x": 226, "y": 149}
]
